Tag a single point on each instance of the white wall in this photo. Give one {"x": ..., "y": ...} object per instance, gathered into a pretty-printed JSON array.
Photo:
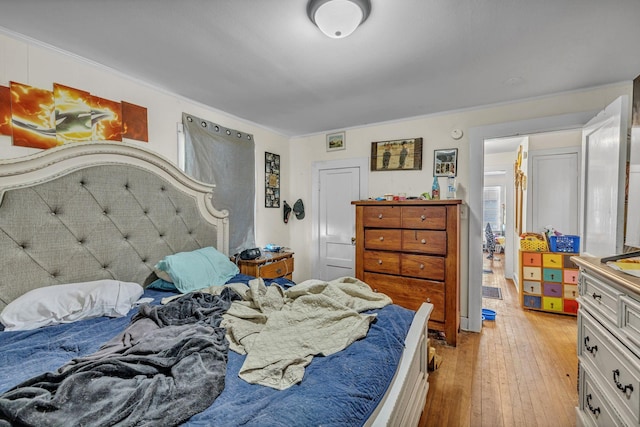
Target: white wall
[
  {"x": 435, "y": 131},
  {"x": 41, "y": 66}
]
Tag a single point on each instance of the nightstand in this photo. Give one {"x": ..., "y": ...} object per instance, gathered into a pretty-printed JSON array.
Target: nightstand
[{"x": 270, "y": 265}]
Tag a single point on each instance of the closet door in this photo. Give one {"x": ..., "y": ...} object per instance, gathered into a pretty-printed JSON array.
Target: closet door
[{"x": 554, "y": 190}]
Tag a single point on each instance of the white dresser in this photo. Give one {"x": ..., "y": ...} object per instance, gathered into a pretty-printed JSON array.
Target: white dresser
[{"x": 608, "y": 346}]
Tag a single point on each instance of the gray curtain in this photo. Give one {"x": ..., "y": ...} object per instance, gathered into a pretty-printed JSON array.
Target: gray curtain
[{"x": 224, "y": 157}]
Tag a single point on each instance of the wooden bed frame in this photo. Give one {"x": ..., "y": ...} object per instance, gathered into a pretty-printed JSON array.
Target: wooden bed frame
[{"x": 111, "y": 211}]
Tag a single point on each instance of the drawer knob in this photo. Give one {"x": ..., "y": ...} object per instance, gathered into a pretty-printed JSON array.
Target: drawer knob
[
  {"x": 379, "y": 216},
  {"x": 594, "y": 411},
  {"x": 421, "y": 266},
  {"x": 626, "y": 389},
  {"x": 422, "y": 217},
  {"x": 380, "y": 261},
  {"x": 596, "y": 296},
  {"x": 593, "y": 349},
  {"x": 382, "y": 238},
  {"x": 279, "y": 271},
  {"x": 423, "y": 241}
]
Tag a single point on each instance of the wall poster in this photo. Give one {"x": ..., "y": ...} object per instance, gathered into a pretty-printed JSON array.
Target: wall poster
[{"x": 272, "y": 180}]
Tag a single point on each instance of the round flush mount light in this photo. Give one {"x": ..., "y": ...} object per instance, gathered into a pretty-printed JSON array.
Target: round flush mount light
[{"x": 338, "y": 18}]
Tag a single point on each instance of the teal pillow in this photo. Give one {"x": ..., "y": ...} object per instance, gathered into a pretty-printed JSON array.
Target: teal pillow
[
  {"x": 198, "y": 269},
  {"x": 162, "y": 285}
]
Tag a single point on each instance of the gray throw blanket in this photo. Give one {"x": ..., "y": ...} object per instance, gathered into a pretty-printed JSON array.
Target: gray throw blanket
[{"x": 168, "y": 365}]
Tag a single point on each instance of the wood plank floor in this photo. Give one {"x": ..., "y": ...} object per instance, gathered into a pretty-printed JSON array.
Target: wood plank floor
[{"x": 521, "y": 370}]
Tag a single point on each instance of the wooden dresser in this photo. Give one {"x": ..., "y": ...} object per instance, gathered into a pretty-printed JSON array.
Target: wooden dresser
[
  {"x": 271, "y": 265},
  {"x": 608, "y": 346},
  {"x": 410, "y": 251}
]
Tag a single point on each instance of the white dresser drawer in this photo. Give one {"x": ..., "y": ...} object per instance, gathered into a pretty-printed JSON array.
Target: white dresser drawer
[
  {"x": 597, "y": 295},
  {"x": 617, "y": 368},
  {"x": 593, "y": 408},
  {"x": 629, "y": 323}
]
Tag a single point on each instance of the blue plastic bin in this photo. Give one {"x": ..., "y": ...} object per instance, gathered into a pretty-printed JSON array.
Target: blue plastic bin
[
  {"x": 564, "y": 243},
  {"x": 488, "y": 314}
]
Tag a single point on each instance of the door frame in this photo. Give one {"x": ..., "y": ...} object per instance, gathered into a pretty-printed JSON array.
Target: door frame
[
  {"x": 477, "y": 136},
  {"x": 357, "y": 162}
]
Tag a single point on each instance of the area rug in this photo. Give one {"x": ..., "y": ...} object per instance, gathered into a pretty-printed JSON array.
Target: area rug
[{"x": 491, "y": 292}]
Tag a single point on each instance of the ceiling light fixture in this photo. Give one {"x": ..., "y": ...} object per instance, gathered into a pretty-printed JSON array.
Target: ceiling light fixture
[{"x": 338, "y": 18}]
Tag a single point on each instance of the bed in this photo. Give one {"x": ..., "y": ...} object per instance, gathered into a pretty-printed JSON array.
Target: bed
[{"x": 88, "y": 212}]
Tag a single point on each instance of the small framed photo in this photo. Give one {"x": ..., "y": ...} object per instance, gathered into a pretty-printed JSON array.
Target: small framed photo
[
  {"x": 336, "y": 141},
  {"x": 445, "y": 162}
]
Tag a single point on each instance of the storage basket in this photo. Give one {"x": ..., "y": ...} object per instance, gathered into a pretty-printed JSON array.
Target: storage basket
[
  {"x": 533, "y": 242},
  {"x": 565, "y": 243}
]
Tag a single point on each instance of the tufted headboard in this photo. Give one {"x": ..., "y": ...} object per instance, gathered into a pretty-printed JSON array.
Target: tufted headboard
[{"x": 90, "y": 211}]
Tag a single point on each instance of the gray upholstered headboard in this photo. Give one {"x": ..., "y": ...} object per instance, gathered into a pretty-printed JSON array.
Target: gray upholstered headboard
[{"x": 91, "y": 211}]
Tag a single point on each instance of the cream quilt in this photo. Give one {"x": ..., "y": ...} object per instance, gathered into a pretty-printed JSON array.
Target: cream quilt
[{"x": 281, "y": 330}]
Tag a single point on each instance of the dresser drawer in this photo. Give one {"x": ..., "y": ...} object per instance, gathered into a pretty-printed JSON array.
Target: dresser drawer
[
  {"x": 619, "y": 373},
  {"x": 630, "y": 323},
  {"x": 532, "y": 273},
  {"x": 552, "y": 275},
  {"x": 422, "y": 266},
  {"x": 570, "y": 276},
  {"x": 570, "y": 291},
  {"x": 380, "y": 238},
  {"x": 409, "y": 293},
  {"x": 552, "y": 260},
  {"x": 532, "y": 287},
  {"x": 531, "y": 259},
  {"x": 381, "y": 216},
  {"x": 282, "y": 268},
  {"x": 593, "y": 407},
  {"x": 382, "y": 262},
  {"x": 598, "y": 296},
  {"x": 425, "y": 241},
  {"x": 424, "y": 217}
]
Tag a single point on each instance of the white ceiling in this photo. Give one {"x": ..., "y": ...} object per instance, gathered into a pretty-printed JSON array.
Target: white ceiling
[{"x": 265, "y": 62}]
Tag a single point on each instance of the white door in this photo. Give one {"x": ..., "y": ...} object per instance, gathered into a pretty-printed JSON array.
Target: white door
[
  {"x": 554, "y": 190},
  {"x": 604, "y": 151},
  {"x": 338, "y": 184}
]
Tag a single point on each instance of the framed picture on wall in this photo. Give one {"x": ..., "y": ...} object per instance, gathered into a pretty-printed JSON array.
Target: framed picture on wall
[
  {"x": 397, "y": 154},
  {"x": 336, "y": 141},
  {"x": 445, "y": 162},
  {"x": 272, "y": 180}
]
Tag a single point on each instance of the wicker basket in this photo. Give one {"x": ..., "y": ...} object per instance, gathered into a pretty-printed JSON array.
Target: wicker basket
[{"x": 533, "y": 242}]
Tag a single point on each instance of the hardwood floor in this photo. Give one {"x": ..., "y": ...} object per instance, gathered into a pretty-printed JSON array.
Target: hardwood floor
[{"x": 521, "y": 370}]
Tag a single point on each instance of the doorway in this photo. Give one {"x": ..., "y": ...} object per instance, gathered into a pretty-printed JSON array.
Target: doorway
[{"x": 477, "y": 137}]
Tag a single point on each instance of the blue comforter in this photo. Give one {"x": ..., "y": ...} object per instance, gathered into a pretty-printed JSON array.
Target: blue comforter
[{"x": 340, "y": 390}]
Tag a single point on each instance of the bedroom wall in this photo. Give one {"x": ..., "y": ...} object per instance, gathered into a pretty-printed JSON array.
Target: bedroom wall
[
  {"x": 40, "y": 66},
  {"x": 33, "y": 63},
  {"x": 436, "y": 132}
]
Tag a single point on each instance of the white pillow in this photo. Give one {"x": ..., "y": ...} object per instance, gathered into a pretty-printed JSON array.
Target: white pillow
[{"x": 69, "y": 303}]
